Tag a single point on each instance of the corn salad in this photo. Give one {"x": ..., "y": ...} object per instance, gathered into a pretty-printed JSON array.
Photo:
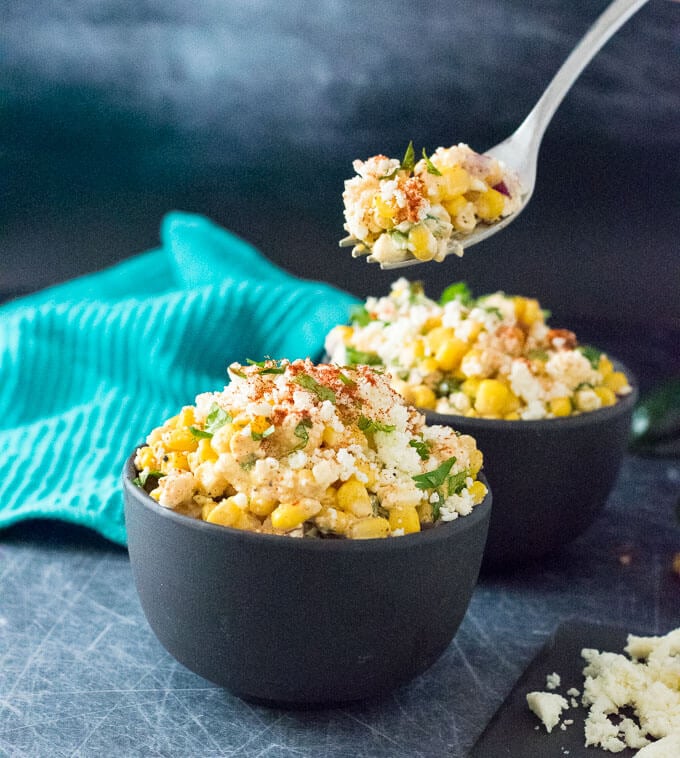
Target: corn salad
[
  {"x": 492, "y": 357},
  {"x": 400, "y": 210},
  {"x": 310, "y": 451}
]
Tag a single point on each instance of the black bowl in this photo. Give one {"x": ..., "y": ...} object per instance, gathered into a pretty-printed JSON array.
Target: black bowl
[
  {"x": 550, "y": 477},
  {"x": 298, "y": 622}
]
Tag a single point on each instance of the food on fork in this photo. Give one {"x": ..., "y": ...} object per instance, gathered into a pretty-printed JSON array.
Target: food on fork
[{"x": 403, "y": 210}]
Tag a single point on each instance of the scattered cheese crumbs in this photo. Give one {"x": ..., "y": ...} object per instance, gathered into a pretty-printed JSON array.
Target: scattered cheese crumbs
[
  {"x": 573, "y": 692},
  {"x": 547, "y": 706},
  {"x": 647, "y": 684},
  {"x": 553, "y": 681}
]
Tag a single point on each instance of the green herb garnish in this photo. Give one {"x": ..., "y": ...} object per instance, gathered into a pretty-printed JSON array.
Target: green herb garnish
[
  {"x": 408, "y": 162},
  {"x": 456, "y": 484},
  {"x": 263, "y": 435},
  {"x": 457, "y": 291},
  {"x": 216, "y": 418},
  {"x": 431, "y": 480},
  {"x": 141, "y": 480},
  {"x": 237, "y": 372},
  {"x": 436, "y": 507},
  {"x": 346, "y": 380},
  {"x": 422, "y": 448},
  {"x": 200, "y": 433},
  {"x": 359, "y": 315},
  {"x": 264, "y": 369},
  {"x": 591, "y": 353},
  {"x": 320, "y": 390},
  {"x": 301, "y": 432},
  {"x": 249, "y": 462},
  {"x": 355, "y": 356},
  {"x": 431, "y": 168},
  {"x": 369, "y": 426},
  {"x": 494, "y": 310}
]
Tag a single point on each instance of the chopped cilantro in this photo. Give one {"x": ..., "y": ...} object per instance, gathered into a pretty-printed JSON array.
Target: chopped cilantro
[
  {"x": 436, "y": 507},
  {"x": 346, "y": 380},
  {"x": 456, "y": 483},
  {"x": 264, "y": 369},
  {"x": 248, "y": 463},
  {"x": 422, "y": 448},
  {"x": 591, "y": 353},
  {"x": 302, "y": 434},
  {"x": 263, "y": 435},
  {"x": 359, "y": 315},
  {"x": 237, "y": 372},
  {"x": 538, "y": 354},
  {"x": 431, "y": 480},
  {"x": 141, "y": 480},
  {"x": 496, "y": 311},
  {"x": 457, "y": 291},
  {"x": 389, "y": 176},
  {"x": 216, "y": 418},
  {"x": 355, "y": 356},
  {"x": 320, "y": 390},
  {"x": 431, "y": 168},
  {"x": 200, "y": 433},
  {"x": 369, "y": 426},
  {"x": 409, "y": 160}
]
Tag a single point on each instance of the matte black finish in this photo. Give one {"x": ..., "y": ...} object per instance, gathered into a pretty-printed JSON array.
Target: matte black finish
[
  {"x": 300, "y": 622},
  {"x": 550, "y": 477}
]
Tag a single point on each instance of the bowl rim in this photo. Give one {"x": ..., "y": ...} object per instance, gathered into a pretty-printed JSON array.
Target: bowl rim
[
  {"x": 622, "y": 405},
  {"x": 444, "y": 531}
]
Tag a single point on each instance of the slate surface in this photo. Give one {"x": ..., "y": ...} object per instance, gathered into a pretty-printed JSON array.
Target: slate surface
[{"x": 81, "y": 674}]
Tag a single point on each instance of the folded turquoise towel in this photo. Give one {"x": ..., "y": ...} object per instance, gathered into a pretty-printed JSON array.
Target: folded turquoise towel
[{"x": 91, "y": 366}]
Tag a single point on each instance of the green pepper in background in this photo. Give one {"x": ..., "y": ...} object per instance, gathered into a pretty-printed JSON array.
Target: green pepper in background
[{"x": 655, "y": 429}]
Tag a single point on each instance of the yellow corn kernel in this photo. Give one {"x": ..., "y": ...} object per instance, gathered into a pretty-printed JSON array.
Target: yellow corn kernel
[
  {"x": 345, "y": 332},
  {"x": 248, "y": 522},
  {"x": 353, "y": 497},
  {"x": 492, "y": 397},
  {"x": 330, "y": 498},
  {"x": 186, "y": 416},
  {"x": 424, "y": 397},
  {"x": 454, "y": 204},
  {"x": 428, "y": 366},
  {"x": 470, "y": 387},
  {"x": 205, "y": 451},
  {"x": 465, "y": 220},
  {"x": 177, "y": 460},
  {"x": 404, "y": 517},
  {"x": 490, "y": 204},
  {"x": 606, "y": 395},
  {"x": 616, "y": 381},
  {"x": 527, "y": 310},
  {"x": 287, "y": 516},
  {"x": 261, "y": 505},
  {"x": 454, "y": 180},
  {"x": 478, "y": 491},
  {"x": 156, "y": 435},
  {"x": 368, "y": 472},
  {"x": 512, "y": 416},
  {"x": 155, "y": 494},
  {"x": 605, "y": 366},
  {"x": 418, "y": 348},
  {"x": 221, "y": 439},
  {"x": 422, "y": 243},
  {"x": 225, "y": 513},
  {"x": 385, "y": 210},
  {"x": 476, "y": 461},
  {"x": 333, "y": 520},
  {"x": 437, "y": 337},
  {"x": 560, "y": 406},
  {"x": 181, "y": 440},
  {"x": 145, "y": 458},
  {"x": 512, "y": 403},
  {"x": 171, "y": 423},
  {"x": 260, "y": 424},
  {"x": 431, "y": 323},
  {"x": 369, "y": 528},
  {"x": 450, "y": 353},
  {"x": 331, "y": 437}
]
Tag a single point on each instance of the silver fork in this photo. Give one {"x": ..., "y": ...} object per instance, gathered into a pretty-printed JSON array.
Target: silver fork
[{"x": 519, "y": 152}]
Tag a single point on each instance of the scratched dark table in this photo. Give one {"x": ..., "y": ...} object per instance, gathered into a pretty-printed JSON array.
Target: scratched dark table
[{"x": 81, "y": 673}]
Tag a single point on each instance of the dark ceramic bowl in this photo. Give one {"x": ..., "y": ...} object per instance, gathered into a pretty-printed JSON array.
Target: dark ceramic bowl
[
  {"x": 299, "y": 622},
  {"x": 550, "y": 477}
]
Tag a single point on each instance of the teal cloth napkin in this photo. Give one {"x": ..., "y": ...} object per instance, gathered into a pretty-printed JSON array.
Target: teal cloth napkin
[{"x": 89, "y": 367}]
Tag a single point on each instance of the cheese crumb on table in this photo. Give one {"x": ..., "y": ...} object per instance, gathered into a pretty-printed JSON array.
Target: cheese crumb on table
[
  {"x": 553, "y": 681},
  {"x": 548, "y": 706}
]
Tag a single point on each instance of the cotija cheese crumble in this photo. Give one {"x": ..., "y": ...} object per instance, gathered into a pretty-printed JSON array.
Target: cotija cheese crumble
[
  {"x": 307, "y": 450},
  {"x": 400, "y": 210},
  {"x": 492, "y": 357}
]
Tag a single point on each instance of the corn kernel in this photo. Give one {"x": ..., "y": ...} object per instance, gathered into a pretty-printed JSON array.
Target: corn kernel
[
  {"x": 248, "y": 522},
  {"x": 606, "y": 395},
  {"x": 431, "y": 323},
  {"x": 176, "y": 460},
  {"x": 333, "y": 520},
  {"x": 404, "y": 517},
  {"x": 205, "y": 451},
  {"x": 353, "y": 497},
  {"x": 512, "y": 416},
  {"x": 330, "y": 498},
  {"x": 470, "y": 387},
  {"x": 385, "y": 210},
  {"x": 287, "y": 516},
  {"x": 437, "y": 337},
  {"x": 186, "y": 416},
  {"x": 454, "y": 180},
  {"x": 221, "y": 439},
  {"x": 260, "y": 424},
  {"x": 450, "y": 353},
  {"x": 560, "y": 406},
  {"x": 492, "y": 397},
  {"x": 180, "y": 439},
  {"x": 527, "y": 310},
  {"x": 465, "y": 220},
  {"x": 605, "y": 366},
  {"x": 428, "y": 366},
  {"x": 225, "y": 513},
  {"x": 490, "y": 204},
  {"x": 145, "y": 458},
  {"x": 616, "y": 381},
  {"x": 262, "y": 505},
  {"x": 424, "y": 397},
  {"x": 422, "y": 243},
  {"x": 454, "y": 204},
  {"x": 171, "y": 423},
  {"x": 367, "y": 470},
  {"x": 155, "y": 494},
  {"x": 478, "y": 491},
  {"x": 372, "y": 527},
  {"x": 476, "y": 461}
]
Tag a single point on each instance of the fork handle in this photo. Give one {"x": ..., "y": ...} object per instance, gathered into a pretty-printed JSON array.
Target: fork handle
[{"x": 604, "y": 27}]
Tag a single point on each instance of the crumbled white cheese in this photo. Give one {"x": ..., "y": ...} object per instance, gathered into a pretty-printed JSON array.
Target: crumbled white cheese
[
  {"x": 553, "y": 681},
  {"x": 548, "y": 706}
]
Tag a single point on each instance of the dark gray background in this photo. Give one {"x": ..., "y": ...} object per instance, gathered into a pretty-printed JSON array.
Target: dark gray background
[{"x": 251, "y": 112}]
